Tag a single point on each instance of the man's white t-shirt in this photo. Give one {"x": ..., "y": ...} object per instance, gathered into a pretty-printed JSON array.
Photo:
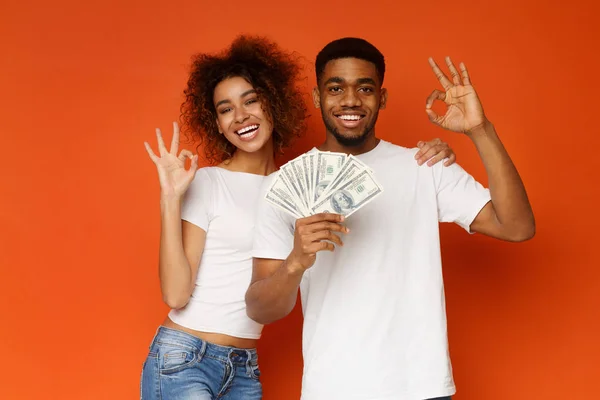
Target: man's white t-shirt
[{"x": 374, "y": 310}]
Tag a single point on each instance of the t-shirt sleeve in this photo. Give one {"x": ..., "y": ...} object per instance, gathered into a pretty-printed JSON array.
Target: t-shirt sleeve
[
  {"x": 274, "y": 229},
  {"x": 197, "y": 206},
  {"x": 459, "y": 196}
]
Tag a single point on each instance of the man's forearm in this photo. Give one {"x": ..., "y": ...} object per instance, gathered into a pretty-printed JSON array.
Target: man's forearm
[
  {"x": 274, "y": 297},
  {"x": 509, "y": 198}
]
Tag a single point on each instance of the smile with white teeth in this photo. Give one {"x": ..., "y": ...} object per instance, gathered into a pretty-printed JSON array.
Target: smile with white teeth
[
  {"x": 247, "y": 131},
  {"x": 350, "y": 117}
]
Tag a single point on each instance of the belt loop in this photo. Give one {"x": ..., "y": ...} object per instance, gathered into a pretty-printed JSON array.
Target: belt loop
[
  {"x": 202, "y": 349},
  {"x": 248, "y": 363}
]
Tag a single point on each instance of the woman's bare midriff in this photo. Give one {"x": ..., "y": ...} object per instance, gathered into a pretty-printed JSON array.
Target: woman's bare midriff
[{"x": 214, "y": 338}]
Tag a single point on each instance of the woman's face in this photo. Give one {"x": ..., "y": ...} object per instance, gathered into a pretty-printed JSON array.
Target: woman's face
[{"x": 240, "y": 116}]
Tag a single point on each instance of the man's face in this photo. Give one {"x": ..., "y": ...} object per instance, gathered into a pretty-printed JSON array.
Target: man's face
[{"x": 350, "y": 96}]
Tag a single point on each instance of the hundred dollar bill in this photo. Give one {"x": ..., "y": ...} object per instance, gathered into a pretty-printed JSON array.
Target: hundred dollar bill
[
  {"x": 305, "y": 170},
  {"x": 350, "y": 196},
  {"x": 279, "y": 194},
  {"x": 276, "y": 201},
  {"x": 329, "y": 165},
  {"x": 310, "y": 173},
  {"x": 281, "y": 189},
  {"x": 289, "y": 177},
  {"x": 297, "y": 172},
  {"x": 351, "y": 167}
]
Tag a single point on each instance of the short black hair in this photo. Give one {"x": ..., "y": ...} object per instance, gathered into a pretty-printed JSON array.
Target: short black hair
[{"x": 350, "y": 47}]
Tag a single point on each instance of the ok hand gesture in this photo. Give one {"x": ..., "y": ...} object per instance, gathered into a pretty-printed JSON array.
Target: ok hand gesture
[
  {"x": 174, "y": 178},
  {"x": 464, "y": 110}
]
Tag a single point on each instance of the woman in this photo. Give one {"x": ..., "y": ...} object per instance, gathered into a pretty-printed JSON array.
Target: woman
[{"x": 244, "y": 106}]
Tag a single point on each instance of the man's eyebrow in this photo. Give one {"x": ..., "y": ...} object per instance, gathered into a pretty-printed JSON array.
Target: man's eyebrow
[
  {"x": 362, "y": 81},
  {"x": 359, "y": 81},
  {"x": 334, "y": 79}
]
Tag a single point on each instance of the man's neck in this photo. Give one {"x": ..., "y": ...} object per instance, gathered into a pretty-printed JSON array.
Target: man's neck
[{"x": 332, "y": 144}]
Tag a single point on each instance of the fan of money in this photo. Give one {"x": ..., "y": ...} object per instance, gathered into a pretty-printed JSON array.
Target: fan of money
[{"x": 323, "y": 182}]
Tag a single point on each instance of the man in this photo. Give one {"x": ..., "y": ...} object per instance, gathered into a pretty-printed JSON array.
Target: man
[{"x": 374, "y": 310}]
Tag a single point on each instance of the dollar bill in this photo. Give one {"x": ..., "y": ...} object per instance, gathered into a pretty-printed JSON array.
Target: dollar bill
[
  {"x": 351, "y": 167},
  {"x": 319, "y": 181},
  {"x": 350, "y": 196},
  {"x": 297, "y": 170},
  {"x": 279, "y": 194},
  {"x": 311, "y": 163},
  {"x": 276, "y": 201},
  {"x": 329, "y": 165},
  {"x": 290, "y": 178},
  {"x": 305, "y": 171}
]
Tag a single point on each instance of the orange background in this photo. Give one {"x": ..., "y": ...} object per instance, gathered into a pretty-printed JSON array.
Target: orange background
[{"x": 83, "y": 84}]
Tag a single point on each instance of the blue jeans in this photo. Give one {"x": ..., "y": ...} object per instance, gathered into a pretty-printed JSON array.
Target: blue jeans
[{"x": 181, "y": 366}]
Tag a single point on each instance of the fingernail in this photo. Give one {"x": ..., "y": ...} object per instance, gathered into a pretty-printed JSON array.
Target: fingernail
[{"x": 347, "y": 230}]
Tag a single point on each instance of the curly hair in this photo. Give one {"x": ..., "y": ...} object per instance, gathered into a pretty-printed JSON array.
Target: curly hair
[{"x": 273, "y": 73}]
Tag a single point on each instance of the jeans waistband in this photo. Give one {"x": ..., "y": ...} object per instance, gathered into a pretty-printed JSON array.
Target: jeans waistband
[{"x": 167, "y": 336}]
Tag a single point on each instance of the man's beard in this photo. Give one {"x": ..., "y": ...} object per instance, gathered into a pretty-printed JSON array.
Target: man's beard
[{"x": 352, "y": 141}]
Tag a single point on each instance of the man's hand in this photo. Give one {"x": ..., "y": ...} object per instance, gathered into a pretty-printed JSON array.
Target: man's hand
[
  {"x": 314, "y": 234},
  {"x": 464, "y": 110}
]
